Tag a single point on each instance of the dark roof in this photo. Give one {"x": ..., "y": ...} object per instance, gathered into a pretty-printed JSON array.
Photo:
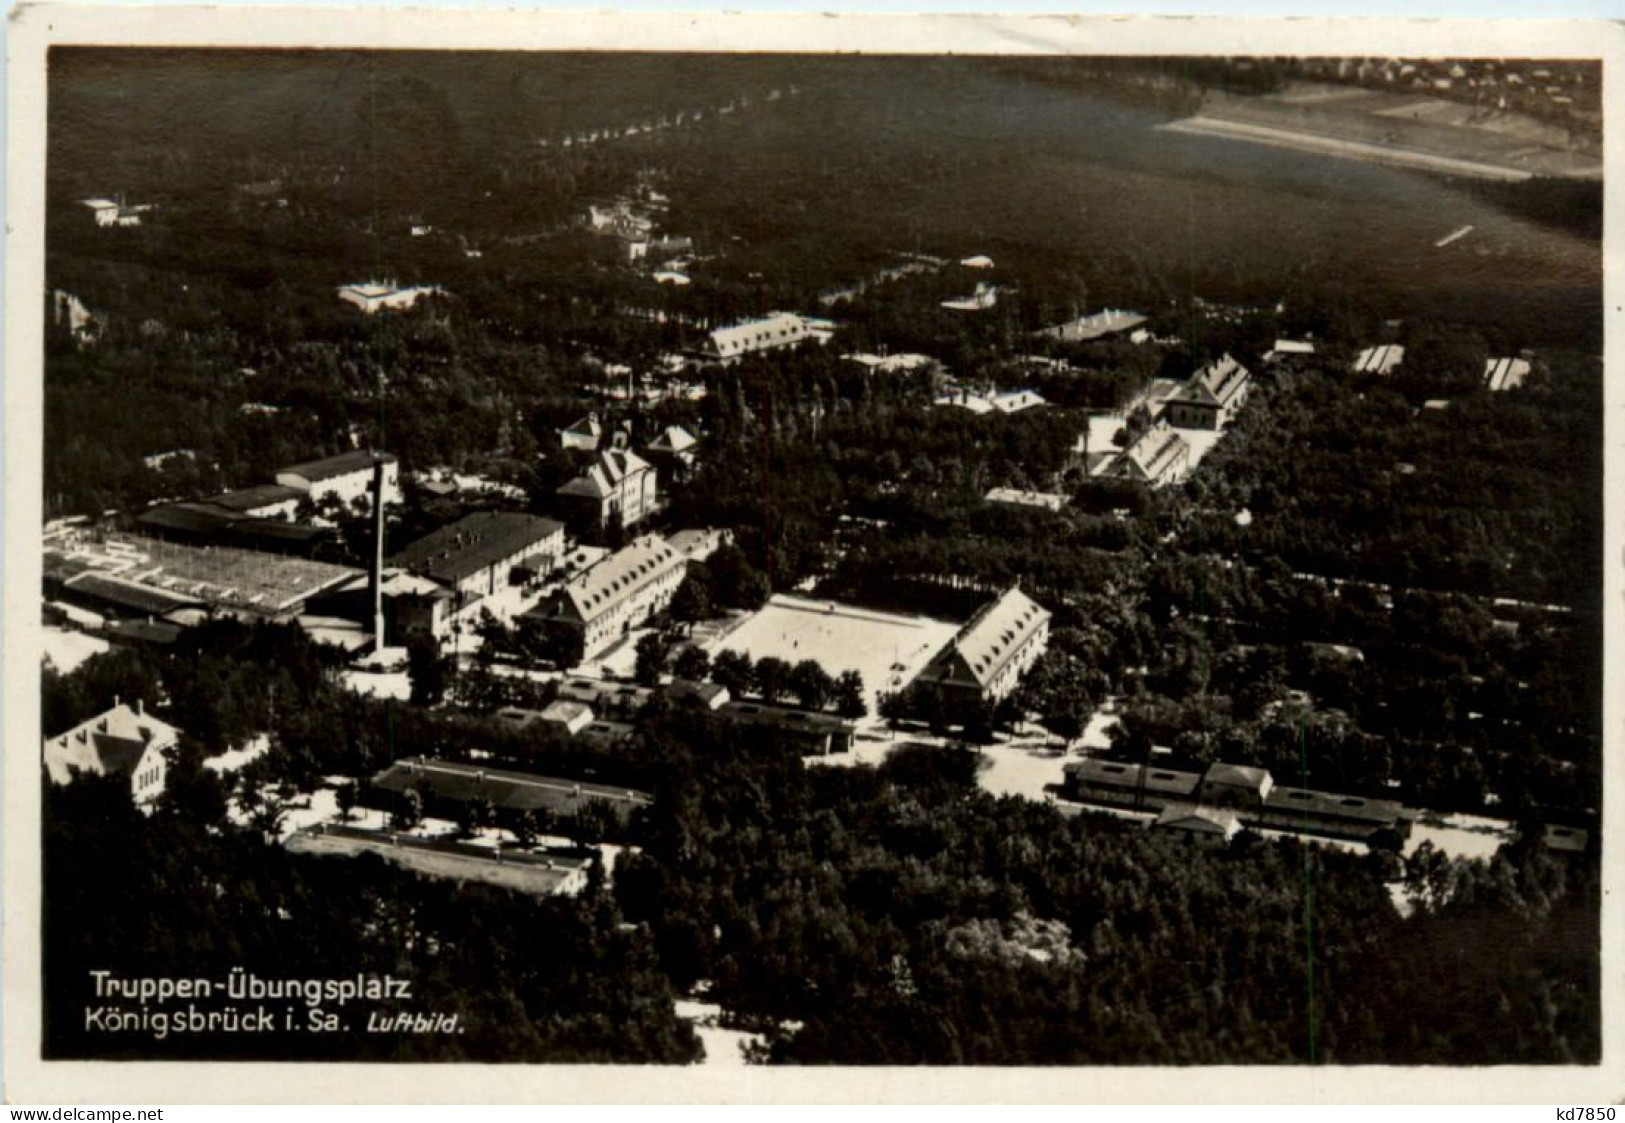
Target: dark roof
[
  {"x": 472, "y": 543},
  {"x": 1567, "y": 840},
  {"x": 146, "y": 631},
  {"x": 513, "y": 791},
  {"x": 779, "y": 717},
  {"x": 189, "y": 518},
  {"x": 128, "y": 594},
  {"x": 684, "y": 690},
  {"x": 1202, "y": 820},
  {"x": 277, "y": 531},
  {"x": 1324, "y": 805},
  {"x": 209, "y": 520},
  {"x": 260, "y": 495},
  {"x": 1117, "y": 774},
  {"x": 341, "y": 465}
]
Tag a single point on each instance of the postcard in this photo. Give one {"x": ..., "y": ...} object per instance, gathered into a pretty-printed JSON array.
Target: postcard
[{"x": 609, "y": 557}]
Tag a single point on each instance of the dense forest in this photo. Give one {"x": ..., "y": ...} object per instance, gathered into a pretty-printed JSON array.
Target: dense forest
[
  {"x": 852, "y": 915},
  {"x": 217, "y": 330}
]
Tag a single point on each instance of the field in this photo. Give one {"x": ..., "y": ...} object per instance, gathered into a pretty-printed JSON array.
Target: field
[
  {"x": 1397, "y": 127},
  {"x": 888, "y": 650}
]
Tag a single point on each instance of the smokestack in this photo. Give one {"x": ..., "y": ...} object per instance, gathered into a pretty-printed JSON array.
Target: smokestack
[{"x": 377, "y": 580}]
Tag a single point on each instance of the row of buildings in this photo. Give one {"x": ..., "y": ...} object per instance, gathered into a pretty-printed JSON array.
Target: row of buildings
[{"x": 1217, "y": 802}]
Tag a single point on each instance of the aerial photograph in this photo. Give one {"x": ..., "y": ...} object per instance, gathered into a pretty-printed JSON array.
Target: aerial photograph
[{"x": 808, "y": 559}]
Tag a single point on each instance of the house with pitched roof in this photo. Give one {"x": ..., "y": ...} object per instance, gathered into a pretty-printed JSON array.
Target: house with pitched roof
[
  {"x": 262, "y": 501},
  {"x": 619, "y": 485},
  {"x": 1381, "y": 359},
  {"x": 124, "y": 741},
  {"x": 748, "y": 337},
  {"x": 1158, "y": 456},
  {"x": 346, "y": 477},
  {"x": 1211, "y": 398},
  {"x": 987, "y": 657},
  {"x": 585, "y": 434},
  {"x": 1235, "y": 785},
  {"x": 484, "y": 553},
  {"x": 1119, "y": 784},
  {"x": 674, "y": 450},
  {"x": 1203, "y": 826},
  {"x": 1505, "y": 373},
  {"x": 618, "y": 594}
]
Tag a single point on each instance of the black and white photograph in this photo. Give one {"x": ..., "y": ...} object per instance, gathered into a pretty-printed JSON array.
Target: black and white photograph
[{"x": 722, "y": 558}]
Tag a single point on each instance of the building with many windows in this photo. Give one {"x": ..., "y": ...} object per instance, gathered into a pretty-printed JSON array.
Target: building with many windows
[
  {"x": 620, "y": 486},
  {"x": 1211, "y": 398},
  {"x": 988, "y": 656},
  {"x": 484, "y": 553},
  {"x": 778, "y": 329},
  {"x": 618, "y": 594},
  {"x": 1158, "y": 457}
]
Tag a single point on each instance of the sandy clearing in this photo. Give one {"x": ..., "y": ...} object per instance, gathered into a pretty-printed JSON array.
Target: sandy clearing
[
  {"x": 67, "y": 650},
  {"x": 1346, "y": 149}
]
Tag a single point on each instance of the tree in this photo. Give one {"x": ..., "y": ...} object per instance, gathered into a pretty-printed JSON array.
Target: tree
[
  {"x": 692, "y": 601},
  {"x": 732, "y": 669},
  {"x": 849, "y": 695},
  {"x": 692, "y": 663},
  {"x": 191, "y": 791},
  {"x": 735, "y": 582},
  {"x": 409, "y": 811},
  {"x": 430, "y": 671},
  {"x": 474, "y": 816},
  {"x": 772, "y": 678},
  {"x": 652, "y": 650},
  {"x": 811, "y": 684},
  {"x": 267, "y": 817},
  {"x": 345, "y": 796}
]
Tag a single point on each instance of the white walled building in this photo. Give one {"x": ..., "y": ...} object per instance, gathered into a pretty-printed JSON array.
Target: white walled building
[
  {"x": 347, "y": 476},
  {"x": 123, "y": 741},
  {"x": 988, "y": 656},
  {"x": 616, "y": 595}
]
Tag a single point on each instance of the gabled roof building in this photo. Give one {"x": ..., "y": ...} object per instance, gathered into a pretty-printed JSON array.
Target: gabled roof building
[
  {"x": 1207, "y": 826},
  {"x": 1210, "y": 398},
  {"x": 988, "y": 656},
  {"x": 476, "y": 556},
  {"x": 620, "y": 484},
  {"x": 1505, "y": 373},
  {"x": 1381, "y": 359},
  {"x": 616, "y": 595},
  {"x": 675, "y": 447},
  {"x": 346, "y": 477},
  {"x": 748, "y": 337},
  {"x": 585, "y": 434},
  {"x": 124, "y": 741},
  {"x": 1158, "y": 457}
]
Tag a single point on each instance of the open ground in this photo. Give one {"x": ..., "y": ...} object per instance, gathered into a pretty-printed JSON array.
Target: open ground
[{"x": 887, "y": 649}]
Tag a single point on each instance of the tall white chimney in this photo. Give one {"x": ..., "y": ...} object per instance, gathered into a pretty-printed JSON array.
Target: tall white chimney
[{"x": 377, "y": 581}]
